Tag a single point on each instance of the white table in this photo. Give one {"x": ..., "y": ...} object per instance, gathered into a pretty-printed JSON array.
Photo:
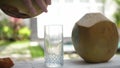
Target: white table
[{"x": 76, "y": 63}]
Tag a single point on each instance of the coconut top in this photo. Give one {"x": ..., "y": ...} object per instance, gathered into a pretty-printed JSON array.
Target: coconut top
[{"x": 91, "y": 19}]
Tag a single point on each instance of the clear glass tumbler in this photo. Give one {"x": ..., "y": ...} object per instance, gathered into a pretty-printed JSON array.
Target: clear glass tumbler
[{"x": 53, "y": 40}]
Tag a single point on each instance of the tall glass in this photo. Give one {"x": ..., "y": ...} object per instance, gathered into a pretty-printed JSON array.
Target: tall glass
[{"x": 53, "y": 40}]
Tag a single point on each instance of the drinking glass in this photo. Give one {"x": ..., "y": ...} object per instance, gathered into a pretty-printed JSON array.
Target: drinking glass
[{"x": 53, "y": 40}]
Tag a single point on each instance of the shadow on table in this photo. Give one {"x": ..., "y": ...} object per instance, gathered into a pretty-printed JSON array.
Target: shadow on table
[{"x": 82, "y": 64}]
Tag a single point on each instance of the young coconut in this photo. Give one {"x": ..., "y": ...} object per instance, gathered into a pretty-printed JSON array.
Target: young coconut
[
  {"x": 18, "y": 9},
  {"x": 95, "y": 38}
]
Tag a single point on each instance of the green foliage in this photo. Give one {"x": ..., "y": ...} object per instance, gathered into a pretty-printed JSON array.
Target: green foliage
[
  {"x": 4, "y": 22},
  {"x": 103, "y": 1},
  {"x": 117, "y": 2},
  {"x": 36, "y": 51},
  {"x": 8, "y": 32},
  {"x": 117, "y": 17},
  {"x": 4, "y": 27},
  {"x": 117, "y": 13},
  {"x": 24, "y": 32},
  {"x": 4, "y": 43}
]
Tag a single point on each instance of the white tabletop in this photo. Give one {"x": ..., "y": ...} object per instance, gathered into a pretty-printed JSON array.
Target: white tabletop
[{"x": 76, "y": 63}]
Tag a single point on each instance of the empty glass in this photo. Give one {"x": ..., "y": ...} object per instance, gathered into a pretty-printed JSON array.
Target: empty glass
[{"x": 53, "y": 40}]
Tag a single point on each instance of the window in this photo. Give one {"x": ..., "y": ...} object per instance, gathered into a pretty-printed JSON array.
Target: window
[{"x": 66, "y": 14}]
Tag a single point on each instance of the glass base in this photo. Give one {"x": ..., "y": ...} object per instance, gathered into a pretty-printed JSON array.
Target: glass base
[{"x": 54, "y": 65}]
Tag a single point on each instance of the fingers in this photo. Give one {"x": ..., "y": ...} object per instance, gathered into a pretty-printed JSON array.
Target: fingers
[
  {"x": 28, "y": 3},
  {"x": 42, "y": 5},
  {"x": 48, "y": 2}
]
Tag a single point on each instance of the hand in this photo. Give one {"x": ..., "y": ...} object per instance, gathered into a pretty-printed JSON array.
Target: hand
[
  {"x": 14, "y": 10},
  {"x": 41, "y": 3}
]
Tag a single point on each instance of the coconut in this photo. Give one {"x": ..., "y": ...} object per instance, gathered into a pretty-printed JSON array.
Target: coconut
[
  {"x": 16, "y": 8},
  {"x": 95, "y": 38}
]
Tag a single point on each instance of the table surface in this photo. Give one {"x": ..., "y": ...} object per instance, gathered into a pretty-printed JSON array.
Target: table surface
[{"x": 73, "y": 63}]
